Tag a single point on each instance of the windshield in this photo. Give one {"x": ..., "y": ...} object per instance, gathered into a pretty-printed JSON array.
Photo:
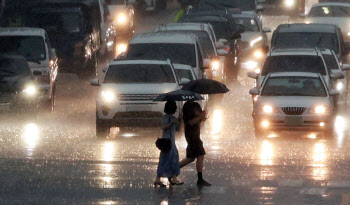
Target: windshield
[
  {"x": 58, "y": 21},
  {"x": 31, "y": 47},
  {"x": 294, "y": 86},
  {"x": 330, "y": 11},
  {"x": 176, "y": 52},
  {"x": 139, "y": 73},
  {"x": 10, "y": 67},
  {"x": 298, "y": 63},
  {"x": 115, "y": 2},
  {"x": 182, "y": 73},
  {"x": 247, "y": 24},
  {"x": 307, "y": 40}
]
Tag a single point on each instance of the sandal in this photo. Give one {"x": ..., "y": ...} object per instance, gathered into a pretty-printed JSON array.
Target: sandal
[{"x": 160, "y": 184}]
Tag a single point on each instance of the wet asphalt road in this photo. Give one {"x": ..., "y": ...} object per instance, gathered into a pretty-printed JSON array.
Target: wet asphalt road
[{"x": 57, "y": 159}]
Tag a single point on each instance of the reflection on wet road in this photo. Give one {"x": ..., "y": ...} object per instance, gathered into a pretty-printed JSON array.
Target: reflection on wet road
[{"x": 57, "y": 158}]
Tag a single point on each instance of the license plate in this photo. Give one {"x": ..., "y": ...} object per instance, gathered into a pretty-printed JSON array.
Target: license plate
[
  {"x": 294, "y": 121},
  {"x": 138, "y": 108}
]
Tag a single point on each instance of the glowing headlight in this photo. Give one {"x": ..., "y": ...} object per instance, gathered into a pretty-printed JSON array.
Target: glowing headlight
[
  {"x": 258, "y": 54},
  {"x": 121, "y": 18},
  {"x": 339, "y": 86},
  {"x": 253, "y": 42},
  {"x": 121, "y": 48},
  {"x": 268, "y": 109},
  {"x": 110, "y": 43},
  {"x": 250, "y": 65},
  {"x": 348, "y": 33},
  {"x": 289, "y": 3},
  {"x": 215, "y": 65},
  {"x": 30, "y": 90},
  {"x": 108, "y": 96},
  {"x": 319, "y": 109}
]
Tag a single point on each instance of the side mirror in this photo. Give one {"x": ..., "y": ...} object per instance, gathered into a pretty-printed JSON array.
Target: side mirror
[
  {"x": 222, "y": 52},
  {"x": 253, "y": 75},
  {"x": 206, "y": 63},
  {"x": 53, "y": 52},
  {"x": 346, "y": 67},
  {"x": 266, "y": 30},
  {"x": 219, "y": 45},
  {"x": 259, "y": 8},
  {"x": 337, "y": 75},
  {"x": 224, "y": 41},
  {"x": 254, "y": 91},
  {"x": 184, "y": 81},
  {"x": 302, "y": 15},
  {"x": 334, "y": 92},
  {"x": 95, "y": 82},
  {"x": 37, "y": 73}
]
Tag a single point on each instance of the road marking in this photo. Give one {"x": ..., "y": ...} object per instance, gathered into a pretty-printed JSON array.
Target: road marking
[
  {"x": 338, "y": 184},
  {"x": 313, "y": 191},
  {"x": 291, "y": 183}
]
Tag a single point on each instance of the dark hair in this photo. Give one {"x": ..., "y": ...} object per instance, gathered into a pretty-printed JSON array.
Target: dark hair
[{"x": 170, "y": 107}]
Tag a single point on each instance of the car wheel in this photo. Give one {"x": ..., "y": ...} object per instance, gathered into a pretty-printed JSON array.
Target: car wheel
[{"x": 102, "y": 128}]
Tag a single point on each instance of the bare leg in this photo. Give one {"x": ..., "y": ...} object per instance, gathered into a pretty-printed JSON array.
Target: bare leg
[
  {"x": 199, "y": 163},
  {"x": 186, "y": 161}
]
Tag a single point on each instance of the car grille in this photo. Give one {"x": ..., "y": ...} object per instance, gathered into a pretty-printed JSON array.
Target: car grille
[
  {"x": 293, "y": 110},
  {"x": 137, "y": 97},
  {"x": 6, "y": 97}
]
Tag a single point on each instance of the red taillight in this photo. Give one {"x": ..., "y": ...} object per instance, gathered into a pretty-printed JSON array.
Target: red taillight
[
  {"x": 227, "y": 48},
  {"x": 45, "y": 79}
]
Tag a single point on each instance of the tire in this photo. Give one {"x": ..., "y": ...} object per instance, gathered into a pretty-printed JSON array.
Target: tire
[{"x": 102, "y": 128}]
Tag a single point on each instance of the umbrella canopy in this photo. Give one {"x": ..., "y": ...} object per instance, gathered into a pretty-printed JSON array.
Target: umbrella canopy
[
  {"x": 178, "y": 95},
  {"x": 206, "y": 86}
]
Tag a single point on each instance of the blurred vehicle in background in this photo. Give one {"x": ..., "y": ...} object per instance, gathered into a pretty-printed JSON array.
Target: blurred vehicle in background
[
  {"x": 34, "y": 45},
  {"x": 331, "y": 13},
  {"x": 209, "y": 49},
  {"x": 122, "y": 14},
  {"x": 294, "y": 101},
  {"x": 287, "y": 7},
  {"x": 125, "y": 97},
  {"x": 180, "y": 48},
  {"x": 18, "y": 88},
  {"x": 253, "y": 45}
]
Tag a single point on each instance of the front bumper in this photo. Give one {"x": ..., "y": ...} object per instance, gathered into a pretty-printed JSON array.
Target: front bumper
[
  {"x": 14, "y": 101},
  {"x": 307, "y": 122}
]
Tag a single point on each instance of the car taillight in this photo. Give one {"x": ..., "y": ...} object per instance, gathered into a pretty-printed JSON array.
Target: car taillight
[
  {"x": 45, "y": 79},
  {"x": 227, "y": 48}
]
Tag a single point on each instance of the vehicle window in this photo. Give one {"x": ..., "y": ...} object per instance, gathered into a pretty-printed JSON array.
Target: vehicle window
[
  {"x": 176, "y": 52},
  {"x": 139, "y": 73},
  {"x": 331, "y": 62},
  {"x": 115, "y": 2},
  {"x": 294, "y": 86},
  {"x": 31, "y": 47},
  {"x": 58, "y": 21},
  {"x": 248, "y": 24},
  {"x": 181, "y": 73},
  {"x": 200, "y": 57},
  {"x": 330, "y": 11},
  {"x": 307, "y": 40},
  {"x": 220, "y": 29},
  {"x": 10, "y": 67},
  {"x": 299, "y": 63}
]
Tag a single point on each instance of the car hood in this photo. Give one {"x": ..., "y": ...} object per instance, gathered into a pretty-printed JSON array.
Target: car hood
[
  {"x": 249, "y": 36},
  {"x": 293, "y": 101},
  {"x": 343, "y": 23},
  {"x": 140, "y": 88},
  {"x": 13, "y": 83}
]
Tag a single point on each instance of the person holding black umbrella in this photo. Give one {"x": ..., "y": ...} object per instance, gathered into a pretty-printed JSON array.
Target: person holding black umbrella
[
  {"x": 168, "y": 165},
  {"x": 193, "y": 116}
]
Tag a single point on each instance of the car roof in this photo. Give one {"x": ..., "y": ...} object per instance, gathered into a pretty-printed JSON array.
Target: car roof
[
  {"x": 182, "y": 66},
  {"x": 331, "y": 4},
  {"x": 145, "y": 62},
  {"x": 22, "y": 31},
  {"x": 294, "y": 74},
  {"x": 302, "y": 27},
  {"x": 184, "y": 26},
  {"x": 164, "y": 37},
  {"x": 294, "y": 51}
]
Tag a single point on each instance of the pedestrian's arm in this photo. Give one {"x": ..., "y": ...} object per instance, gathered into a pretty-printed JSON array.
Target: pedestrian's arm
[
  {"x": 168, "y": 125},
  {"x": 197, "y": 119}
]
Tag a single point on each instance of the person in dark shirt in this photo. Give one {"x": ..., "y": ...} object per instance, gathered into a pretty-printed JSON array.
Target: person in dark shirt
[{"x": 192, "y": 117}]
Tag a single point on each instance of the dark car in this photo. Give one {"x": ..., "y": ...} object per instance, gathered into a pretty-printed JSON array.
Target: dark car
[
  {"x": 309, "y": 36},
  {"x": 224, "y": 28},
  {"x": 74, "y": 29},
  {"x": 18, "y": 89}
]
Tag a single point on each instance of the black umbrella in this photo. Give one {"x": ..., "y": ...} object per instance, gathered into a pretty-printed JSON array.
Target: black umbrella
[
  {"x": 178, "y": 95},
  {"x": 205, "y": 86}
]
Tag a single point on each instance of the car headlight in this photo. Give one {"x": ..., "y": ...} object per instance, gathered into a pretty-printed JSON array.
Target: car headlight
[
  {"x": 268, "y": 109},
  {"x": 289, "y": 3},
  {"x": 215, "y": 65},
  {"x": 108, "y": 96},
  {"x": 320, "y": 109},
  {"x": 253, "y": 42},
  {"x": 339, "y": 86},
  {"x": 121, "y": 18},
  {"x": 30, "y": 90},
  {"x": 258, "y": 54},
  {"x": 121, "y": 48},
  {"x": 250, "y": 65}
]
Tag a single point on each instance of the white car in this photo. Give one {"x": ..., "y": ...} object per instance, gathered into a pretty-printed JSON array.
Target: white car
[
  {"x": 126, "y": 94},
  {"x": 180, "y": 48},
  {"x": 331, "y": 13},
  {"x": 294, "y": 101},
  {"x": 34, "y": 45}
]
